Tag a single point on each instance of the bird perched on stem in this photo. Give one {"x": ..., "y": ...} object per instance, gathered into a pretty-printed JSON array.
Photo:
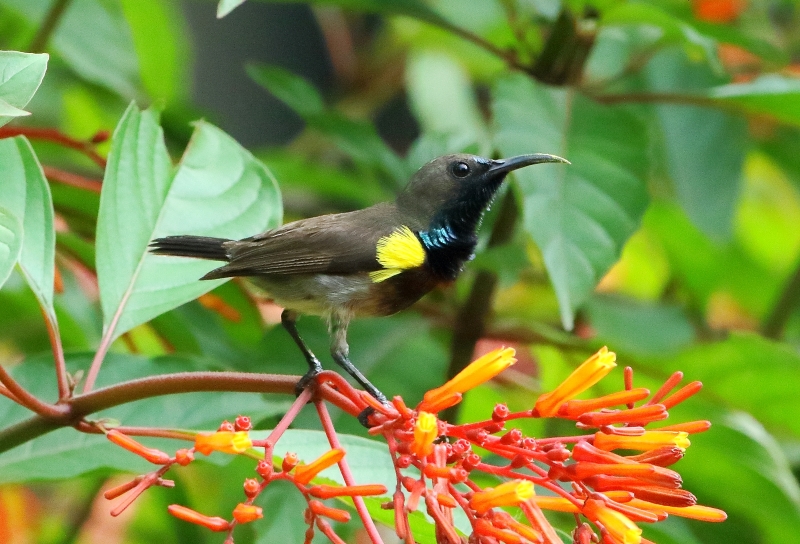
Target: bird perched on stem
[{"x": 370, "y": 262}]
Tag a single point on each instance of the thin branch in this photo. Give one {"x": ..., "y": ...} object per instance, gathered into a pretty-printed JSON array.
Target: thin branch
[
  {"x": 28, "y": 400},
  {"x": 72, "y": 179},
  {"x": 138, "y": 431},
  {"x": 347, "y": 475},
  {"x": 55, "y": 136},
  {"x": 58, "y": 355},
  {"x": 51, "y": 20}
]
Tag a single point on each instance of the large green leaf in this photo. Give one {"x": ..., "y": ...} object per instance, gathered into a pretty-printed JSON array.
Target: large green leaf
[
  {"x": 704, "y": 147},
  {"x": 773, "y": 95},
  {"x": 10, "y": 243},
  {"x": 218, "y": 189},
  {"x": 20, "y": 76},
  {"x": 66, "y": 453},
  {"x": 411, "y": 8},
  {"x": 580, "y": 215},
  {"x": 93, "y": 39}
]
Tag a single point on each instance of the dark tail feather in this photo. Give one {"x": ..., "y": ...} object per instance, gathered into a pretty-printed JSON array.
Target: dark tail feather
[{"x": 200, "y": 247}]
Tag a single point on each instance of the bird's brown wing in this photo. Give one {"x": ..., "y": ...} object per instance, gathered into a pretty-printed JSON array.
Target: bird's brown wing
[{"x": 334, "y": 244}]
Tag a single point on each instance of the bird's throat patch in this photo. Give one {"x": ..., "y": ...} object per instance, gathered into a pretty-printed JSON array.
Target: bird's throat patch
[{"x": 396, "y": 252}]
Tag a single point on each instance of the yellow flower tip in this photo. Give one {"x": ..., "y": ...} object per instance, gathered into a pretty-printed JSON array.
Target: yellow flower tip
[
  {"x": 619, "y": 526},
  {"x": 506, "y": 494},
  {"x": 648, "y": 441},
  {"x": 245, "y": 513},
  {"x": 303, "y": 474},
  {"x": 223, "y": 441},
  {"x": 426, "y": 429},
  {"x": 594, "y": 369},
  {"x": 477, "y": 372}
]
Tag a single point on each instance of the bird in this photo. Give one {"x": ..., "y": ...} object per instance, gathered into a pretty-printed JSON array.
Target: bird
[{"x": 370, "y": 262}]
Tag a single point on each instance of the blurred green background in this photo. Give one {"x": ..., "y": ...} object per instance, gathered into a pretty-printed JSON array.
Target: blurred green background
[{"x": 674, "y": 237}]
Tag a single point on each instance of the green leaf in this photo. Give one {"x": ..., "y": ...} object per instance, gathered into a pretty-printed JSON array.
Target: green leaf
[
  {"x": 704, "y": 148},
  {"x": 673, "y": 30},
  {"x": 10, "y": 243},
  {"x": 417, "y": 9},
  {"x": 226, "y": 6},
  {"x": 93, "y": 39},
  {"x": 581, "y": 214},
  {"x": 161, "y": 42},
  {"x": 37, "y": 259},
  {"x": 774, "y": 95},
  {"x": 20, "y": 76},
  {"x": 218, "y": 189},
  {"x": 293, "y": 90}
]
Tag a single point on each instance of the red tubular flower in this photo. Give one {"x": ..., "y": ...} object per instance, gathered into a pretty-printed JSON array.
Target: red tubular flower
[
  {"x": 479, "y": 371},
  {"x": 485, "y": 528},
  {"x": 571, "y": 409},
  {"x": 618, "y": 525},
  {"x": 506, "y": 494},
  {"x": 187, "y": 514},
  {"x": 585, "y": 376},
  {"x": 303, "y": 474},
  {"x": 642, "y": 414},
  {"x": 335, "y": 514},
  {"x": 663, "y": 496},
  {"x": 153, "y": 455},
  {"x": 245, "y": 513},
  {"x": 232, "y": 442},
  {"x": 698, "y": 512},
  {"x": 662, "y": 457},
  {"x": 426, "y": 429},
  {"x": 330, "y": 491},
  {"x": 690, "y": 427}
]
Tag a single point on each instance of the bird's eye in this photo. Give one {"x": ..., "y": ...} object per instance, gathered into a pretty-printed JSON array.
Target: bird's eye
[{"x": 460, "y": 169}]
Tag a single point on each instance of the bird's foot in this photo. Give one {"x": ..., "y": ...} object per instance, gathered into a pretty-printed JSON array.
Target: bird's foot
[
  {"x": 363, "y": 417},
  {"x": 308, "y": 380}
]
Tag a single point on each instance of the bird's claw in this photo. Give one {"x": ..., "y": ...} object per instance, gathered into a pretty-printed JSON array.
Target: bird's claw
[{"x": 306, "y": 381}]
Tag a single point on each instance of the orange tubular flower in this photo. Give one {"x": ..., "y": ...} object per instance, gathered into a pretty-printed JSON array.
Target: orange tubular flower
[
  {"x": 485, "y": 528},
  {"x": 506, "y": 494},
  {"x": 618, "y": 525},
  {"x": 585, "y": 376},
  {"x": 153, "y": 455},
  {"x": 573, "y": 408},
  {"x": 426, "y": 429},
  {"x": 330, "y": 491},
  {"x": 479, "y": 371},
  {"x": 187, "y": 514},
  {"x": 305, "y": 473},
  {"x": 245, "y": 513},
  {"x": 698, "y": 512},
  {"x": 649, "y": 440},
  {"x": 223, "y": 441},
  {"x": 320, "y": 509}
]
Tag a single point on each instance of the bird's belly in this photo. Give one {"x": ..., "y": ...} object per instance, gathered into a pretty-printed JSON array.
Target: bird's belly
[{"x": 356, "y": 294}]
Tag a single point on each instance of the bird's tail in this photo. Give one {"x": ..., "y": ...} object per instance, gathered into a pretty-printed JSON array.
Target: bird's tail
[{"x": 200, "y": 247}]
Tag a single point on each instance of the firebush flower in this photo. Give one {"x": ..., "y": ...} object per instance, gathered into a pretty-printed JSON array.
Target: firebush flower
[{"x": 440, "y": 467}]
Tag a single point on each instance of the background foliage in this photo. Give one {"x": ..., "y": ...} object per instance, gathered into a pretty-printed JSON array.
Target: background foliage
[{"x": 674, "y": 237}]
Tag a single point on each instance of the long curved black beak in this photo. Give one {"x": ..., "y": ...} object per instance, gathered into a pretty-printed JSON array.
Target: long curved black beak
[{"x": 504, "y": 166}]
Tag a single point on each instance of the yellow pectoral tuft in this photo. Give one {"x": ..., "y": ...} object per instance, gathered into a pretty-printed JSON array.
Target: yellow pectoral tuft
[{"x": 399, "y": 251}]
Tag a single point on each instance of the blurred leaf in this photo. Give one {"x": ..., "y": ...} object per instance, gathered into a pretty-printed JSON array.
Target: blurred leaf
[
  {"x": 639, "y": 328},
  {"x": 704, "y": 148},
  {"x": 93, "y": 39},
  {"x": 226, "y": 6},
  {"x": 581, "y": 214},
  {"x": 219, "y": 189},
  {"x": 442, "y": 98},
  {"x": 161, "y": 43},
  {"x": 10, "y": 243},
  {"x": 356, "y": 138},
  {"x": 285, "y": 521},
  {"x": 411, "y": 8},
  {"x": 293, "y": 90},
  {"x": 20, "y": 76},
  {"x": 673, "y": 29},
  {"x": 65, "y": 453},
  {"x": 774, "y": 95}
]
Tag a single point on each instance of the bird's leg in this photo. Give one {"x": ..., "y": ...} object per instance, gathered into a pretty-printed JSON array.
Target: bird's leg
[
  {"x": 289, "y": 320},
  {"x": 340, "y": 352}
]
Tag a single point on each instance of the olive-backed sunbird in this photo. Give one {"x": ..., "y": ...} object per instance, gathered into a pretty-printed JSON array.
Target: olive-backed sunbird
[{"x": 370, "y": 262}]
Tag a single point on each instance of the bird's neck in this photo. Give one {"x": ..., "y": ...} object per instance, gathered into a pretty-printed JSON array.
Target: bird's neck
[{"x": 450, "y": 240}]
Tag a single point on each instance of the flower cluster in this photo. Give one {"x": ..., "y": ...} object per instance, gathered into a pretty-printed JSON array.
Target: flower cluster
[
  {"x": 582, "y": 474},
  {"x": 614, "y": 476}
]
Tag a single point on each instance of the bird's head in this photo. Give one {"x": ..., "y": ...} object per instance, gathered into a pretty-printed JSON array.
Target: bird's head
[{"x": 457, "y": 189}]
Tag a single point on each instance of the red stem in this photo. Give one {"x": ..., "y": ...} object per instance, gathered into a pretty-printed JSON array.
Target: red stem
[
  {"x": 58, "y": 355},
  {"x": 55, "y": 136},
  {"x": 72, "y": 179},
  {"x": 24, "y": 398},
  {"x": 347, "y": 475}
]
